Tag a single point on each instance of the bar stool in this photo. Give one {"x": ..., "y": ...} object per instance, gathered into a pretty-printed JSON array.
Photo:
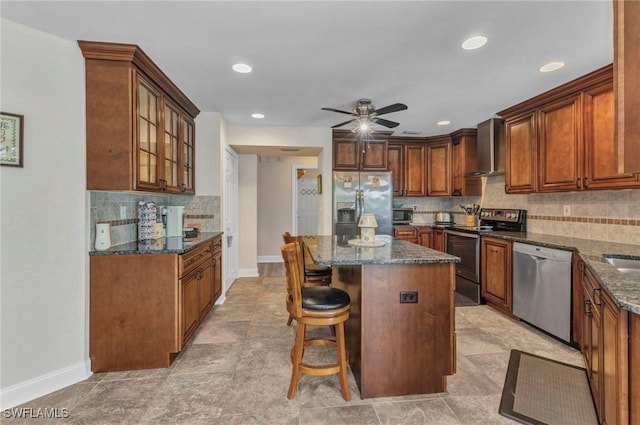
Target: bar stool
[
  {"x": 314, "y": 275},
  {"x": 314, "y": 306}
]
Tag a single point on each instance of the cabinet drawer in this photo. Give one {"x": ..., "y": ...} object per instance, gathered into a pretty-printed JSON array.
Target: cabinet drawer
[
  {"x": 190, "y": 260},
  {"x": 400, "y": 232}
]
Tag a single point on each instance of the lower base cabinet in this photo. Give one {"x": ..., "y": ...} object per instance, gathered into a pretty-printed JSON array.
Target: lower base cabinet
[
  {"x": 496, "y": 275},
  {"x": 145, "y": 307},
  {"x": 606, "y": 344}
]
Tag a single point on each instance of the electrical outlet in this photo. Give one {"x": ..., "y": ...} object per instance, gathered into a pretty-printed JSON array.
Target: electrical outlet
[
  {"x": 123, "y": 212},
  {"x": 566, "y": 211},
  {"x": 415, "y": 208},
  {"x": 408, "y": 297}
]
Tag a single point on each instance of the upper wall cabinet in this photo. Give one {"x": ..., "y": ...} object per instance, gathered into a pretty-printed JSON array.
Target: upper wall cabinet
[
  {"x": 351, "y": 152},
  {"x": 465, "y": 159},
  {"x": 563, "y": 140},
  {"x": 407, "y": 164},
  {"x": 626, "y": 62},
  {"x": 140, "y": 126},
  {"x": 439, "y": 166}
]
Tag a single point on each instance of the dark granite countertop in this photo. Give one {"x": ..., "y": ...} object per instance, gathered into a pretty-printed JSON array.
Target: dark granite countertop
[
  {"x": 170, "y": 245},
  {"x": 624, "y": 288},
  {"x": 330, "y": 251}
]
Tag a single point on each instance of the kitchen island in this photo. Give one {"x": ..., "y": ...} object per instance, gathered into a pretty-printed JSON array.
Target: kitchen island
[{"x": 401, "y": 330}]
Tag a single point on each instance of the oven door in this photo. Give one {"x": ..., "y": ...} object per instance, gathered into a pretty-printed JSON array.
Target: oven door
[{"x": 467, "y": 247}]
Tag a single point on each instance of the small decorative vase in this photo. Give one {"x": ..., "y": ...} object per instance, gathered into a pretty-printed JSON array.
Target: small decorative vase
[{"x": 103, "y": 236}]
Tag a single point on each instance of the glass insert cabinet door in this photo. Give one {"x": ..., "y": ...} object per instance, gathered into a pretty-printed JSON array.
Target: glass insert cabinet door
[
  {"x": 188, "y": 152},
  {"x": 171, "y": 144},
  {"x": 148, "y": 122}
]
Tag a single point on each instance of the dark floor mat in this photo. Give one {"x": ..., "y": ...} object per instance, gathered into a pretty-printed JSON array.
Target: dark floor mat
[{"x": 542, "y": 391}]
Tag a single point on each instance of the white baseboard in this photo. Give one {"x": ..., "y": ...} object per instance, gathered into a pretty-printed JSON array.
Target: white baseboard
[
  {"x": 44, "y": 384},
  {"x": 270, "y": 259},
  {"x": 248, "y": 272}
]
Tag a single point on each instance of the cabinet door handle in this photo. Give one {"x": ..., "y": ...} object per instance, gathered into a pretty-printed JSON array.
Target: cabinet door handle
[
  {"x": 183, "y": 188},
  {"x": 163, "y": 184},
  {"x": 578, "y": 182},
  {"x": 587, "y": 308},
  {"x": 585, "y": 182}
]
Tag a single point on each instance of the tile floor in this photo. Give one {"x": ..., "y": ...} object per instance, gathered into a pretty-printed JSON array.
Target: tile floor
[{"x": 236, "y": 371}]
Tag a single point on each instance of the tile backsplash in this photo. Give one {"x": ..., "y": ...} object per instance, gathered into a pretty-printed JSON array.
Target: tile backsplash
[
  {"x": 108, "y": 206},
  {"x": 607, "y": 215}
]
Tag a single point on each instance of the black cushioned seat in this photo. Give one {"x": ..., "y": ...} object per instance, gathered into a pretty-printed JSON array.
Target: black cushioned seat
[
  {"x": 321, "y": 298},
  {"x": 316, "y": 270}
]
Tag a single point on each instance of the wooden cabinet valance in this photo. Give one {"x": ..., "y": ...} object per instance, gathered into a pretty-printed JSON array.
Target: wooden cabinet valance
[{"x": 140, "y": 126}]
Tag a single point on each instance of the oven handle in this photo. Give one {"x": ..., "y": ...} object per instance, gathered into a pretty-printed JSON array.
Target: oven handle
[{"x": 462, "y": 234}]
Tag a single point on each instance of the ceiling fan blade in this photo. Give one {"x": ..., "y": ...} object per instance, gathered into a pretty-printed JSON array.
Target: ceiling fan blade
[
  {"x": 337, "y": 110},
  {"x": 342, "y": 123},
  {"x": 391, "y": 108},
  {"x": 386, "y": 123}
]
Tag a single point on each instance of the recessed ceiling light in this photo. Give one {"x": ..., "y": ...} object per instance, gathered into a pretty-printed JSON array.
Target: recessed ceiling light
[
  {"x": 242, "y": 68},
  {"x": 444, "y": 122},
  {"x": 474, "y": 42},
  {"x": 257, "y": 116},
  {"x": 551, "y": 66}
]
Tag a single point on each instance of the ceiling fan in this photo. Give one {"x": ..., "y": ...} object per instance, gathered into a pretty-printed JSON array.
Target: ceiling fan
[{"x": 364, "y": 114}]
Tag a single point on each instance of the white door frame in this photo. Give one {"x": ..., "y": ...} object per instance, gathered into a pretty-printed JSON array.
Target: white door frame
[
  {"x": 231, "y": 254},
  {"x": 294, "y": 194}
]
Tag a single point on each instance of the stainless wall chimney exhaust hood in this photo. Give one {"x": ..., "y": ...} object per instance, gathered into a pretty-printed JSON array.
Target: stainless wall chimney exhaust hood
[{"x": 491, "y": 153}]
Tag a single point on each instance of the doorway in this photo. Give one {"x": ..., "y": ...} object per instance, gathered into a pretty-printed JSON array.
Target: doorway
[{"x": 306, "y": 197}]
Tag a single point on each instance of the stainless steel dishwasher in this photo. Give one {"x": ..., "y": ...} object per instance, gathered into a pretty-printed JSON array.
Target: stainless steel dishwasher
[{"x": 542, "y": 288}]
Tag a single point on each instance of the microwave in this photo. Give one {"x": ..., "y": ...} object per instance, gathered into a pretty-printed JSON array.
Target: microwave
[{"x": 402, "y": 215}]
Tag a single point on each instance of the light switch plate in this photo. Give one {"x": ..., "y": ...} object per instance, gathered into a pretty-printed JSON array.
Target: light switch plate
[
  {"x": 566, "y": 210},
  {"x": 123, "y": 212}
]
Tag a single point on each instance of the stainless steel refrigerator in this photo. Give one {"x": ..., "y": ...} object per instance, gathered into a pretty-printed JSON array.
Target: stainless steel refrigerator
[{"x": 355, "y": 193}]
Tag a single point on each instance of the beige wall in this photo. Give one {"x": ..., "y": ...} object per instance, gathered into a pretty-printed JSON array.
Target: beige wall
[
  {"x": 275, "y": 185},
  {"x": 609, "y": 215}
]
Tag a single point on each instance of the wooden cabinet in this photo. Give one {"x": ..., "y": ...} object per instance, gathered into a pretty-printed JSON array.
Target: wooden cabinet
[
  {"x": 521, "y": 147},
  {"x": 601, "y": 163},
  {"x": 464, "y": 160},
  {"x": 140, "y": 126},
  {"x": 197, "y": 287},
  {"x": 408, "y": 167},
  {"x": 406, "y": 233},
  {"x": 353, "y": 152},
  {"x": 439, "y": 175},
  {"x": 425, "y": 236},
  {"x": 626, "y": 62},
  {"x": 559, "y": 145},
  {"x": 144, "y": 308},
  {"x": 605, "y": 348},
  {"x": 438, "y": 240},
  {"x": 563, "y": 140},
  {"x": 496, "y": 271}
]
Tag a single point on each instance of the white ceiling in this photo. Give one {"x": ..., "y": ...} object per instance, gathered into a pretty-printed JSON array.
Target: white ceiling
[{"x": 308, "y": 55}]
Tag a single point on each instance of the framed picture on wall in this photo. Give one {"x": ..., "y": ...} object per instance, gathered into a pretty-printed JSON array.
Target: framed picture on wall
[{"x": 11, "y": 139}]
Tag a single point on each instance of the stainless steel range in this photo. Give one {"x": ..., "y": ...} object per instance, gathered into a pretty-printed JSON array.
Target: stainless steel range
[{"x": 464, "y": 242}]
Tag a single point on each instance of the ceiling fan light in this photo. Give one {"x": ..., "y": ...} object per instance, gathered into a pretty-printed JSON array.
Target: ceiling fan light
[
  {"x": 474, "y": 42},
  {"x": 364, "y": 126}
]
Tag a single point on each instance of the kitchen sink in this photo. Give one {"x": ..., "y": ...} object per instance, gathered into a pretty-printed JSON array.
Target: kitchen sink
[{"x": 625, "y": 265}]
